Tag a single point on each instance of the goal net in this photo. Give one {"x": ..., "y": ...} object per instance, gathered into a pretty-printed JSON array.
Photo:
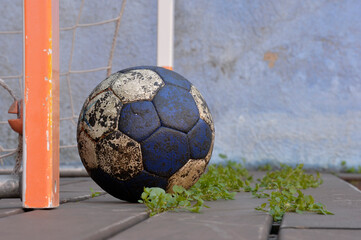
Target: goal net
[{"x": 96, "y": 39}]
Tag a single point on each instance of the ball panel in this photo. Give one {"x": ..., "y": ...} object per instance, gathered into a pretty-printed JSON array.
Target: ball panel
[
  {"x": 188, "y": 175},
  {"x": 200, "y": 139},
  {"x": 145, "y": 179},
  {"x": 104, "y": 85},
  {"x": 176, "y": 108},
  {"x": 202, "y": 106},
  {"x": 173, "y": 78},
  {"x": 138, "y": 120},
  {"x": 136, "y": 85},
  {"x": 101, "y": 114},
  {"x": 87, "y": 150},
  {"x": 113, "y": 186},
  {"x": 119, "y": 155},
  {"x": 130, "y": 190},
  {"x": 81, "y": 123},
  {"x": 209, "y": 155},
  {"x": 138, "y": 68},
  {"x": 165, "y": 151},
  {"x": 168, "y": 76}
]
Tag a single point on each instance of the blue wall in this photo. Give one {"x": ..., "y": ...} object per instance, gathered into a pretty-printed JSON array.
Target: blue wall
[{"x": 282, "y": 78}]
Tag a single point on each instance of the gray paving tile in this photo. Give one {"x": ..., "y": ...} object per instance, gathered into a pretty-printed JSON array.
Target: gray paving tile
[
  {"x": 74, "y": 190},
  {"x": 71, "y": 190},
  {"x": 66, "y": 181},
  {"x": 319, "y": 234},
  {"x": 232, "y": 219},
  {"x": 10, "y": 206},
  {"x": 96, "y": 218},
  {"x": 340, "y": 198},
  {"x": 73, "y": 184}
]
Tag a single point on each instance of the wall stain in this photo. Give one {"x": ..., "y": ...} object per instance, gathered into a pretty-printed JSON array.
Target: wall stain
[{"x": 271, "y": 58}]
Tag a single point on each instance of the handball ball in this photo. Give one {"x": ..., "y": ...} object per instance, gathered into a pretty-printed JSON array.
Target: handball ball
[{"x": 144, "y": 127}]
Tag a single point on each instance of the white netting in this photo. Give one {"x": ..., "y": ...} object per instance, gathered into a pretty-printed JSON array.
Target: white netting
[
  {"x": 76, "y": 80},
  {"x": 11, "y": 75},
  {"x": 11, "y": 152},
  {"x": 67, "y": 74}
]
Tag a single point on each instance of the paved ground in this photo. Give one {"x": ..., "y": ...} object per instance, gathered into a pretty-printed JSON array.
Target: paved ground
[{"x": 105, "y": 217}]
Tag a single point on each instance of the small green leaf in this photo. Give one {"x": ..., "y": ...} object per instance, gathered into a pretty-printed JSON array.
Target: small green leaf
[
  {"x": 298, "y": 211},
  {"x": 178, "y": 189},
  {"x": 93, "y": 193}
]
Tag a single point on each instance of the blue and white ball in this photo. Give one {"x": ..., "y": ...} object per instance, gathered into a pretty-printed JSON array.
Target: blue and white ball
[{"x": 144, "y": 127}]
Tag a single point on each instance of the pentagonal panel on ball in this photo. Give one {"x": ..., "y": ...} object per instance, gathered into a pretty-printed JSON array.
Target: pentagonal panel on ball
[
  {"x": 137, "y": 85},
  {"x": 176, "y": 108},
  {"x": 81, "y": 123},
  {"x": 138, "y": 120},
  {"x": 104, "y": 85},
  {"x": 200, "y": 140},
  {"x": 101, "y": 114},
  {"x": 173, "y": 78},
  {"x": 129, "y": 190},
  {"x": 209, "y": 155},
  {"x": 188, "y": 175},
  {"x": 137, "y": 184},
  {"x": 87, "y": 150},
  {"x": 168, "y": 76},
  {"x": 138, "y": 68},
  {"x": 202, "y": 106},
  {"x": 119, "y": 155},
  {"x": 165, "y": 151}
]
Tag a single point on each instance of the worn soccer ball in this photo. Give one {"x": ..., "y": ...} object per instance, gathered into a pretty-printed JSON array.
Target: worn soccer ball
[{"x": 144, "y": 127}]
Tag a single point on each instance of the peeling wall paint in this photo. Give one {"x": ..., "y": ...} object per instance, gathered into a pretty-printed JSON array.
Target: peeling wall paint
[{"x": 282, "y": 78}]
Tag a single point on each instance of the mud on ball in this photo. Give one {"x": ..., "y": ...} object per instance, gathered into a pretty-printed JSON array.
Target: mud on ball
[{"x": 144, "y": 127}]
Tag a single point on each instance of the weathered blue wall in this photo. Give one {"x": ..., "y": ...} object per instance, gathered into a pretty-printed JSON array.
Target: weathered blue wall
[{"x": 282, "y": 78}]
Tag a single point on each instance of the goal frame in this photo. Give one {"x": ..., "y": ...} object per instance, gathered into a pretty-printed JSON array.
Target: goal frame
[
  {"x": 165, "y": 33},
  {"x": 40, "y": 175}
]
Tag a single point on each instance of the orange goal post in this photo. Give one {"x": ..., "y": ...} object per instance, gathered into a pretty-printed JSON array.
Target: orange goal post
[{"x": 40, "y": 180}]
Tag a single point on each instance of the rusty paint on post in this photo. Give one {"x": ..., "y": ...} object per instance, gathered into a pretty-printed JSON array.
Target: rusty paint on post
[{"x": 41, "y": 104}]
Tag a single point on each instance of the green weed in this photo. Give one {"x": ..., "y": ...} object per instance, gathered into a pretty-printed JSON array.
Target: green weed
[{"x": 282, "y": 188}]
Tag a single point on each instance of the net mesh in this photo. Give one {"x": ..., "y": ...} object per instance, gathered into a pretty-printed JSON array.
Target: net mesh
[{"x": 69, "y": 75}]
